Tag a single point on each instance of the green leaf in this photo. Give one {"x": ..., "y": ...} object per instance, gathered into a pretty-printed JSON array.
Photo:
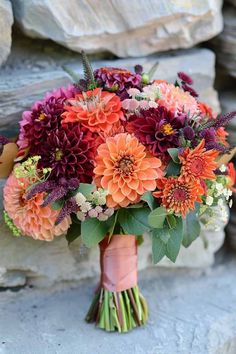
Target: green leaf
[
  {"x": 157, "y": 217},
  {"x": 149, "y": 199},
  {"x": 174, "y": 154},
  {"x": 191, "y": 228},
  {"x": 58, "y": 204},
  {"x": 93, "y": 231},
  {"x": 86, "y": 189},
  {"x": 173, "y": 169},
  {"x": 174, "y": 243},
  {"x": 134, "y": 221},
  {"x": 73, "y": 232},
  {"x": 171, "y": 221},
  {"x": 139, "y": 239},
  {"x": 158, "y": 246}
]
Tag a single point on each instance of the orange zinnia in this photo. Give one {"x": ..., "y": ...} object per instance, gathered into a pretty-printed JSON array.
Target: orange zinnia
[
  {"x": 198, "y": 163},
  {"x": 177, "y": 195},
  {"x": 96, "y": 109},
  {"x": 123, "y": 168}
]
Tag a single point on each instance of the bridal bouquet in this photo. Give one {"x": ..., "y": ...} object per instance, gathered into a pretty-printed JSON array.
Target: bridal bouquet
[{"x": 112, "y": 158}]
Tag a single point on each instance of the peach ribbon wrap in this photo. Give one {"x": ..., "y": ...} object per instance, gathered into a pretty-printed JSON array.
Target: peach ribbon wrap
[{"x": 118, "y": 261}]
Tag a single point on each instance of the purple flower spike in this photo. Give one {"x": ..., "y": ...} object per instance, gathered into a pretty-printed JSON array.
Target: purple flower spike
[
  {"x": 138, "y": 69},
  {"x": 185, "y": 78}
]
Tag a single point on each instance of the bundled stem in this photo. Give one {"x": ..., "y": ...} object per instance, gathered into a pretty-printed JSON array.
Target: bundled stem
[{"x": 118, "y": 311}]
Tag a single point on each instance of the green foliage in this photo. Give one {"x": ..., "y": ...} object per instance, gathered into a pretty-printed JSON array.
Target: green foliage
[
  {"x": 174, "y": 154},
  {"x": 173, "y": 169},
  {"x": 149, "y": 199},
  {"x": 93, "y": 231},
  {"x": 191, "y": 228},
  {"x": 166, "y": 241},
  {"x": 58, "y": 204},
  {"x": 157, "y": 217},
  {"x": 134, "y": 221},
  {"x": 74, "y": 232},
  {"x": 86, "y": 189}
]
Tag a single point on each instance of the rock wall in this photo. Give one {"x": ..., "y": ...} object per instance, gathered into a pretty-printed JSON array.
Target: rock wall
[
  {"x": 125, "y": 28},
  {"x": 6, "y": 21}
]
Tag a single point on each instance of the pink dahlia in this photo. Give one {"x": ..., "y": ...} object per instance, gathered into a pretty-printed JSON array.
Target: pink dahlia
[
  {"x": 176, "y": 100},
  {"x": 28, "y": 215},
  {"x": 43, "y": 118}
]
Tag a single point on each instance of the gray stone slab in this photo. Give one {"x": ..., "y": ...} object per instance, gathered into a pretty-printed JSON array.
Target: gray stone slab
[
  {"x": 190, "y": 313},
  {"x": 6, "y": 21}
]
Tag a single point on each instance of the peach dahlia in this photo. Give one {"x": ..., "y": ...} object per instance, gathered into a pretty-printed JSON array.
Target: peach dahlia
[
  {"x": 125, "y": 170},
  {"x": 29, "y": 215}
]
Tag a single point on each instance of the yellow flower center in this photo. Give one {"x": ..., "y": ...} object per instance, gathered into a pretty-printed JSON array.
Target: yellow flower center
[
  {"x": 167, "y": 129},
  {"x": 41, "y": 116},
  {"x": 58, "y": 154}
]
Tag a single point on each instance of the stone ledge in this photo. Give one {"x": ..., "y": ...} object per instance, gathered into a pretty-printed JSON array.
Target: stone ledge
[{"x": 190, "y": 312}]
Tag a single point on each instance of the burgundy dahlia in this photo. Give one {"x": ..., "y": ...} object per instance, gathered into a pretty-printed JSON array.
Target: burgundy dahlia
[
  {"x": 69, "y": 151},
  {"x": 117, "y": 79},
  {"x": 157, "y": 129}
]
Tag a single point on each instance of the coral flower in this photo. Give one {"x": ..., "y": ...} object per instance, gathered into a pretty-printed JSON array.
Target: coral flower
[
  {"x": 28, "y": 215},
  {"x": 178, "y": 195},
  {"x": 125, "y": 170},
  {"x": 198, "y": 163},
  {"x": 206, "y": 110},
  {"x": 176, "y": 100},
  {"x": 96, "y": 109}
]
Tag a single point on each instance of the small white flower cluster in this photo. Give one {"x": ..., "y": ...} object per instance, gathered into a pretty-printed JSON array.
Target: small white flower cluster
[
  {"x": 142, "y": 100},
  {"x": 94, "y": 206},
  {"x": 215, "y": 208}
]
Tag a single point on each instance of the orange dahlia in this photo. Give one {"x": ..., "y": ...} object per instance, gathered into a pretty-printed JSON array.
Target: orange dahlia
[
  {"x": 178, "y": 195},
  {"x": 125, "y": 170},
  {"x": 198, "y": 163},
  {"x": 96, "y": 109},
  {"x": 28, "y": 215}
]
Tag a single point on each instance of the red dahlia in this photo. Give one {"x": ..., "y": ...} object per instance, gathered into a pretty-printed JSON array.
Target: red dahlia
[
  {"x": 69, "y": 151},
  {"x": 157, "y": 129}
]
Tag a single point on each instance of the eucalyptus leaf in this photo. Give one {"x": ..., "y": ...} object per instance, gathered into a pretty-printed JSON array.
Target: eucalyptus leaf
[
  {"x": 158, "y": 247},
  {"x": 173, "y": 169},
  {"x": 149, "y": 199},
  {"x": 191, "y": 228},
  {"x": 157, "y": 217},
  {"x": 174, "y": 243},
  {"x": 73, "y": 232},
  {"x": 174, "y": 154},
  {"x": 58, "y": 204},
  {"x": 171, "y": 221},
  {"x": 93, "y": 231},
  {"x": 86, "y": 189},
  {"x": 134, "y": 221}
]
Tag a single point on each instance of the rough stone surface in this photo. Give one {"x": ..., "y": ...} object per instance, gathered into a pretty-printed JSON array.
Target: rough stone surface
[
  {"x": 20, "y": 88},
  {"x": 6, "y": 21},
  {"x": 190, "y": 312},
  {"x": 26, "y": 261},
  {"x": 122, "y": 27},
  {"x": 225, "y": 43}
]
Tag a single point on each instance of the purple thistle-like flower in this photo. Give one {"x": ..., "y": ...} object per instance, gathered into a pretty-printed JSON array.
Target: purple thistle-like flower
[
  {"x": 185, "y": 78},
  {"x": 209, "y": 134},
  {"x": 138, "y": 69},
  {"x": 69, "y": 207},
  {"x": 189, "y": 133},
  {"x": 224, "y": 119},
  {"x": 189, "y": 89}
]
